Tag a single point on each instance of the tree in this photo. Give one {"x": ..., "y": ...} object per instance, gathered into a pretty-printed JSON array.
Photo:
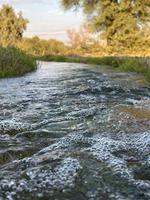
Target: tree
[
  {"x": 12, "y": 26},
  {"x": 42, "y": 47},
  {"x": 118, "y": 19},
  {"x": 79, "y": 38},
  {"x": 82, "y": 41}
]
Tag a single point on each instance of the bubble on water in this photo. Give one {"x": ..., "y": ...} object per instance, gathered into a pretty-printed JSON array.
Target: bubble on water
[
  {"x": 63, "y": 143},
  {"x": 81, "y": 104},
  {"x": 13, "y": 126},
  {"x": 142, "y": 103},
  {"x": 103, "y": 149},
  {"x": 140, "y": 143},
  {"x": 108, "y": 150},
  {"x": 41, "y": 180},
  {"x": 132, "y": 101},
  {"x": 10, "y": 126}
]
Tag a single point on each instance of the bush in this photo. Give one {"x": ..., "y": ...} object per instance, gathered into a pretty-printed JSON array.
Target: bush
[
  {"x": 138, "y": 65},
  {"x": 14, "y": 62}
]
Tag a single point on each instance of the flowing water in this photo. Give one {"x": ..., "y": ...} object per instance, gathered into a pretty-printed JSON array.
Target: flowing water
[{"x": 74, "y": 132}]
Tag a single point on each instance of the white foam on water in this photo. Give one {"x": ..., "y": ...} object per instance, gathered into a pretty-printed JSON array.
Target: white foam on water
[
  {"x": 42, "y": 179},
  {"x": 12, "y": 125},
  {"x": 140, "y": 143},
  {"x": 142, "y": 103},
  {"x": 108, "y": 150},
  {"x": 103, "y": 149},
  {"x": 63, "y": 143}
]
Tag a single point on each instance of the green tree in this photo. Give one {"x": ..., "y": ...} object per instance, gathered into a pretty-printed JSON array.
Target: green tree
[
  {"x": 120, "y": 20},
  {"x": 42, "y": 47},
  {"x": 12, "y": 26}
]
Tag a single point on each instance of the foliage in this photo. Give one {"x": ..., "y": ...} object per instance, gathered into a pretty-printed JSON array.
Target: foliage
[
  {"x": 60, "y": 58},
  {"x": 40, "y": 47},
  {"x": 83, "y": 43},
  {"x": 12, "y": 26},
  {"x": 80, "y": 39},
  {"x": 14, "y": 62},
  {"x": 120, "y": 20}
]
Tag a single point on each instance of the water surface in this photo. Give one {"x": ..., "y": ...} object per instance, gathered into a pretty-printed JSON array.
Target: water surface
[{"x": 74, "y": 132}]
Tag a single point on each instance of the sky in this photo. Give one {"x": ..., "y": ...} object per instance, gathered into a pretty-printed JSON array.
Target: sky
[{"x": 47, "y": 19}]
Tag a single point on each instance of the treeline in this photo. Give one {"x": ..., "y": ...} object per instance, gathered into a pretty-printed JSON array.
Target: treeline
[
  {"x": 40, "y": 47},
  {"x": 123, "y": 24},
  {"x": 117, "y": 38},
  {"x": 83, "y": 43}
]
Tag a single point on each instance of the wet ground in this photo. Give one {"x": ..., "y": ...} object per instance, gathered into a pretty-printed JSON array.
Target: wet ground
[{"x": 74, "y": 132}]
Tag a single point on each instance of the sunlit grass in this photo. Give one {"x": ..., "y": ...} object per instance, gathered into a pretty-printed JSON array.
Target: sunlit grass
[{"x": 14, "y": 62}]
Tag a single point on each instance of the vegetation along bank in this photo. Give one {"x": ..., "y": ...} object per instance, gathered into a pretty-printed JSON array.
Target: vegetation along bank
[
  {"x": 14, "y": 62},
  {"x": 126, "y": 64}
]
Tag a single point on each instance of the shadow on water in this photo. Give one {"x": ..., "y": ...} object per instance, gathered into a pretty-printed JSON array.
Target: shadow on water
[{"x": 70, "y": 131}]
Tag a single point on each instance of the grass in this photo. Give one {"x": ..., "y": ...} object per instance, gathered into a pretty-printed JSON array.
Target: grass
[
  {"x": 127, "y": 64},
  {"x": 14, "y": 62}
]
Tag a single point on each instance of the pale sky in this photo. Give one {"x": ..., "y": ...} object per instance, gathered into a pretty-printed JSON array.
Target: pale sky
[{"x": 46, "y": 18}]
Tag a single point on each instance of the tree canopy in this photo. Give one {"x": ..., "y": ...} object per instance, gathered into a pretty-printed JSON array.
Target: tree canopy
[
  {"x": 120, "y": 20},
  {"x": 41, "y": 47},
  {"x": 12, "y": 26}
]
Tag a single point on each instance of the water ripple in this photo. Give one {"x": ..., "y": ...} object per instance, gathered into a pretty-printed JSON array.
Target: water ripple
[{"x": 70, "y": 131}]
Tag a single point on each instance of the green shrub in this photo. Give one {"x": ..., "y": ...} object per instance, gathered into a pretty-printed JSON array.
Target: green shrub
[
  {"x": 111, "y": 61},
  {"x": 14, "y": 62}
]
